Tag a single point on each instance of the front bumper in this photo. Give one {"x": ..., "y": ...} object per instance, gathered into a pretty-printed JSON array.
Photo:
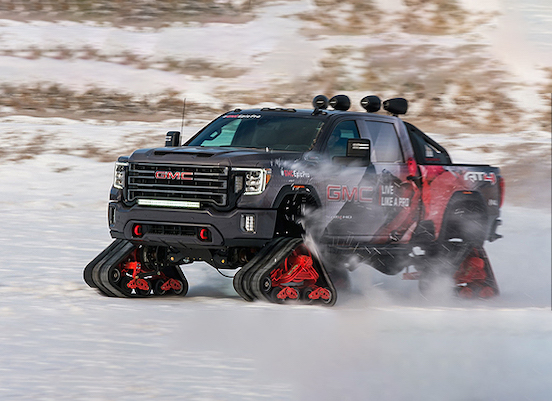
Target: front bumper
[{"x": 181, "y": 227}]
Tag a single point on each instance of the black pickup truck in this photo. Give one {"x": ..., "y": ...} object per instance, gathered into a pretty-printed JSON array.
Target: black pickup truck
[{"x": 284, "y": 195}]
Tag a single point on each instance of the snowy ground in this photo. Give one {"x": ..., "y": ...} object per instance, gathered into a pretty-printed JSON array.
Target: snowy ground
[{"x": 60, "y": 339}]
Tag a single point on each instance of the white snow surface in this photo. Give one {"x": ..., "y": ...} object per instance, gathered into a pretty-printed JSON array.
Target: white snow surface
[{"x": 60, "y": 340}]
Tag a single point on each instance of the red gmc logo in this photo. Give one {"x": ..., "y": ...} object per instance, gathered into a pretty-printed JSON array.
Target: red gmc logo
[
  {"x": 174, "y": 175},
  {"x": 344, "y": 193}
]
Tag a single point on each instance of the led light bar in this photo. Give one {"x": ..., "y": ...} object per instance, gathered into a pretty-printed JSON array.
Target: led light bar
[{"x": 169, "y": 203}]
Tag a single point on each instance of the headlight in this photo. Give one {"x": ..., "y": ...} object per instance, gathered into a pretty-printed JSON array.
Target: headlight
[
  {"x": 255, "y": 179},
  {"x": 119, "y": 178}
]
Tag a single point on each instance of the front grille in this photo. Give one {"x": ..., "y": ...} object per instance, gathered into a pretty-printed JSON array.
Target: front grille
[{"x": 203, "y": 184}]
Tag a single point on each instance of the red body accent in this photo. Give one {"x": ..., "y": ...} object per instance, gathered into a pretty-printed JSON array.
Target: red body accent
[
  {"x": 204, "y": 234},
  {"x": 137, "y": 230}
]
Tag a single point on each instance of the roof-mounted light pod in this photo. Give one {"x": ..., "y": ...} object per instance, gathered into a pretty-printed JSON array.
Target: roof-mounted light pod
[
  {"x": 340, "y": 102},
  {"x": 396, "y": 106},
  {"x": 371, "y": 103},
  {"x": 320, "y": 102}
]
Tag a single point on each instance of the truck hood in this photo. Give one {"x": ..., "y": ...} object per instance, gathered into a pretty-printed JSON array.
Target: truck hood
[{"x": 219, "y": 156}]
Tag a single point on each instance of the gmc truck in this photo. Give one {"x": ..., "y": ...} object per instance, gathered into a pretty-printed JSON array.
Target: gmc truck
[{"x": 286, "y": 196}]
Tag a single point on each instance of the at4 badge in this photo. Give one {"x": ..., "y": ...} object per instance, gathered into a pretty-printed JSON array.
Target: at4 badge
[{"x": 479, "y": 176}]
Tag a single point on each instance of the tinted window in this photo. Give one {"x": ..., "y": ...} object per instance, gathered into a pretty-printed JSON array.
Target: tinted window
[
  {"x": 384, "y": 142},
  {"x": 427, "y": 151},
  {"x": 337, "y": 144}
]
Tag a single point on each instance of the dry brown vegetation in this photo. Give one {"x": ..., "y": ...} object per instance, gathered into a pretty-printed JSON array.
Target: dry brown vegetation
[
  {"x": 28, "y": 144},
  {"x": 155, "y": 13},
  {"x": 345, "y": 16},
  {"x": 457, "y": 88},
  {"x": 55, "y": 100},
  {"x": 439, "y": 17},
  {"x": 194, "y": 66},
  {"x": 427, "y": 17}
]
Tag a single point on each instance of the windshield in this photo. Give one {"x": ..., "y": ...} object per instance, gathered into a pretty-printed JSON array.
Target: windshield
[{"x": 275, "y": 132}]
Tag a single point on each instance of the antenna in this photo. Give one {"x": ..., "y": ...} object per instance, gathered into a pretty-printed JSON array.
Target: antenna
[{"x": 183, "y": 114}]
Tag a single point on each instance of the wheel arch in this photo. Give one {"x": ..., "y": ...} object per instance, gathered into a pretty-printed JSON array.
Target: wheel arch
[
  {"x": 463, "y": 209},
  {"x": 289, "y": 203}
]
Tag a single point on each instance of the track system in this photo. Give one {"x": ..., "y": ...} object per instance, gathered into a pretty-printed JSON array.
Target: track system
[
  {"x": 285, "y": 270},
  {"x": 467, "y": 264},
  {"x": 475, "y": 277},
  {"x": 124, "y": 270}
]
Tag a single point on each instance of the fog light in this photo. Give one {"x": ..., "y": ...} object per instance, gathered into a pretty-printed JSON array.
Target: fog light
[{"x": 248, "y": 223}]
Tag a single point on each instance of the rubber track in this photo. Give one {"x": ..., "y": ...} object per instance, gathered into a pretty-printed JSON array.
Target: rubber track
[
  {"x": 87, "y": 273},
  {"x": 94, "y": 268},
  {"x": 248, "y": 276},
  {"x": 490, "y": 280},
  {"x": 274, "y": 259},
  {"x": 243, "y": 276},
  {"x": 100, "y": 272},
  {"x": 451, "y": 257}
]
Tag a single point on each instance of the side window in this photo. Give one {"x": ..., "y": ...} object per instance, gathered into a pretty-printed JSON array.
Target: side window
[
  {"x": 337, "y": 144},
  {"x": 431, "y": 154},
  {"x": 427, "y": 151},
  {"x": 384, "y": 141}
]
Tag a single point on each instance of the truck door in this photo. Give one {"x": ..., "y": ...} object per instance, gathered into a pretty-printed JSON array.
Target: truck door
[{"x": 377, "y": 203}]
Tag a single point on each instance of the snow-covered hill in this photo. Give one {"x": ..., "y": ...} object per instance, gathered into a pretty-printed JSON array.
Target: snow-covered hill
[{"x": 462, "y": 64}]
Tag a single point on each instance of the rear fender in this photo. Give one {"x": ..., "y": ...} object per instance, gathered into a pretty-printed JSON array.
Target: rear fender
[{"x": 469, "y": 209}]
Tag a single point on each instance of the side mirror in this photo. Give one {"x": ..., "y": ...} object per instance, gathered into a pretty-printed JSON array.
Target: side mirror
[
  {"x": 358, "y": 148},
  {"x": 172, "y": 139},
  {"x": 311, "y": 157},
  {"x": 358, "y": 153}
]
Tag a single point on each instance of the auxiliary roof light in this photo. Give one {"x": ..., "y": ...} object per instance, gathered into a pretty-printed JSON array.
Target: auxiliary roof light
[
  {"x": 320, "y": 102},
  {"x": 340, "y": 102},
  {"x": 371, "y": 103},
  {"x": 396, "y": 106}
]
